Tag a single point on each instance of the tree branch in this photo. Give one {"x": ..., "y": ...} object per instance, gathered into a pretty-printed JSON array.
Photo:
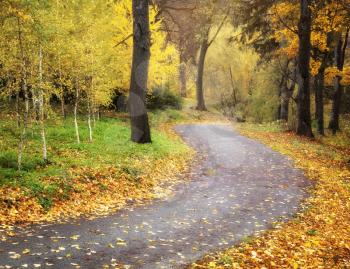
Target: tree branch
[{"x": 218, "y": 30}]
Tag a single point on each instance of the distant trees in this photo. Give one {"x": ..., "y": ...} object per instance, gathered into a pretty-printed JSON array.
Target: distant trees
[
  {"x": 179, "y": 23},
  {"x": 210, "y": 14},
  {"x": 286, "y": 34}
]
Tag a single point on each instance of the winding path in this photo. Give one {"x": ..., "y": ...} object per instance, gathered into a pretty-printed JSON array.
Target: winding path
[{"x": 238, "y": 188}]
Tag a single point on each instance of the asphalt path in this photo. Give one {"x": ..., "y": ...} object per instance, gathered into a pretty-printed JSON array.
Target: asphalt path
[{"x": 238, "y": 188}]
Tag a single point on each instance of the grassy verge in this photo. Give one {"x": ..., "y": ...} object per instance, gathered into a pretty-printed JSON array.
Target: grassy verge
[
  {"x": 319, "y": 237},
  {"x": 87, "y": 178}
]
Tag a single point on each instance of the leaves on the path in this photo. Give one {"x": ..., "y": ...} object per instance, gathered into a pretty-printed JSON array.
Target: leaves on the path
[{"x": 320, "y": 235}]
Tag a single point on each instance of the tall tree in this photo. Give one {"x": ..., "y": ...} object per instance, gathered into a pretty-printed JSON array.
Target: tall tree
[
  {"x": 140, "y": 130},
  {"x": 339, "y": 56},
  {"x": 304, "y": 53},
  {"x": 206, "y": 42}
]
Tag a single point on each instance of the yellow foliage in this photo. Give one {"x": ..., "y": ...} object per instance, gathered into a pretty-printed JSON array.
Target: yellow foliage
[
  {"x": 164, "y": 60},
  {"x": 326, "y": 19}
]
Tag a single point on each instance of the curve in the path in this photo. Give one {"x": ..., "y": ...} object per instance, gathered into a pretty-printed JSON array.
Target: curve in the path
[{"x": 239, "y": 188}]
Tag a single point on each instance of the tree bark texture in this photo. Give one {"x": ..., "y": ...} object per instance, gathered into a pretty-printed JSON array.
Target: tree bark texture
[
  {"x": 303, "y": 98},
  {"x": 338, "y": 88},
  {"x": 140, "y": 130},
  {"x": 199, "y": 83}
]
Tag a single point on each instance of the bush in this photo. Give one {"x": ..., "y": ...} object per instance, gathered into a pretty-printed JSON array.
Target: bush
[
  {"x": 8, "y": 160},
  {"x": 163, "y": 98}
]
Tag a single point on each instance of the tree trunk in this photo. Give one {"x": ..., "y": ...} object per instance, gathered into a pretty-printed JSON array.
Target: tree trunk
[
  {"x": 76, "y": 103},
  {"x": 18, "y": 114},
  {"x": 89, "y": 110},
  {"x": 319, "y": 90},
  {"x": 201, "y": 63},
  {"x": 279, "y": 108},
  {"x": 338, "y": 88},
  {"x": 89, "y": 121},
  {"x": 41, "y": 107},
  {"x": 303, "y": 98},
  {"x": 234, "y": 89},
  {"x": 334, "y": 120},
  {"x": 63, "y": 110},
  {"x": 183, "y": 81},
  {"x": 26, "y": 98},
  {"x": 140, "y": 130},
  {"x": 285, "y": 96},
  {"x": 93, "y": 109},
  {"x": 284, "y": 91}
]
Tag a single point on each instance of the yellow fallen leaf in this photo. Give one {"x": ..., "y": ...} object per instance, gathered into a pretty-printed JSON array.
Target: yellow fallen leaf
[{"x": 26, "y": 251}]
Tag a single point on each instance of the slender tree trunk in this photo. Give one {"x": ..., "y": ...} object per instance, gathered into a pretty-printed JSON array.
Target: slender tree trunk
[
  {"x": 201, "y": 63},
  {"x": 41, "y": 107},
  {"x": 89, "y": 110},
  {"x": 63, "y": 110},
  {"x": 93, "y": 109},
  {"x": 18, "y": 114},
  {"x": 279, "y": 108},
  {"x": 234, "y": 90},
  {"x": 76, "y": 103},
  {"x": 89, "y": 121},
  {"x": 25, "y": 125},
  {"x": 284, "y": 92},
  {"x": 140, "y": 130},
  {"x": 338, "y": 88},
  {"x": 183, "y": 80},
  {"x": 338, "y": 92},
  {"x": 26, "y": 98},
  {"x": 319, "y": 90},
  {"x": 182, "y": 73},
  {"x": 303, "y": 98},
  {"x": 182, "y": 70},
  {"x": 284, "y": 100}
]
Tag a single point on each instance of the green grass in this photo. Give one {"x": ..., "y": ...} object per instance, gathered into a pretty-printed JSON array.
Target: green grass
[{"x": 111, "y": 147}]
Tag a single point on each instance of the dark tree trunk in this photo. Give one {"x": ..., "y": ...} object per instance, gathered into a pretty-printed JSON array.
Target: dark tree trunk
[
  {"x": 200, "y": 94},
  {"x": 285, "y": 96},
  {"x": 319, "y": 90},
  {"x": 63, "y": 110},
  {"x": 303, "y": 98},
  {"x": 182, "y": 73},
  {"x": 183, "y": 81},
  {"x": 334, "y": 120},
  {"x": 338, "y": 88},
  {"x": 140, "y": 130},
  {"x": 280, "y": 98},
  {"x": 286, "y": 93}
]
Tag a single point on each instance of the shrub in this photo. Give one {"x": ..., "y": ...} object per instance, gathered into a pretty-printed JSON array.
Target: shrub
[
  {"x": 163, "y": 98},
  {"x": 8, "y": 160}
]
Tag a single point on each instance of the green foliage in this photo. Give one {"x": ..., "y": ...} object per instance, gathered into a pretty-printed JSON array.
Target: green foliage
[
  {"x": 163, "y": 98},
  {"x": 225, "y": 260},
  {"x": 8, "y": 160},
  {"x": 111, "y": 134}
]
